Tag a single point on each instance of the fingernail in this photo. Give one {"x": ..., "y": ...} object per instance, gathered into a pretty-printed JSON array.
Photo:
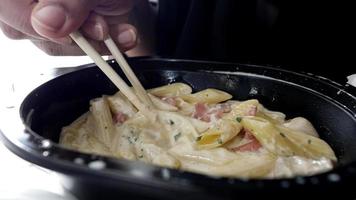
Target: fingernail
[
  {"x": 50, "y": 17},
  {"x": 63, "y": 40},
  {"x": 99, "y": 31},
  {"x": 126, "y": 37}
]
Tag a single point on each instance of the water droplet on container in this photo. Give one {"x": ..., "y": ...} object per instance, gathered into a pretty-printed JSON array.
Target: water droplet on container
[
  {"x": 46, "y": 153},
  {"x": 166, "y": 175},
  {"x": 79, "y": 161},
  {"x": 97, "y": 165},
  {"x": 46, "y": 144},
  {"x": 334, "y": 177}
]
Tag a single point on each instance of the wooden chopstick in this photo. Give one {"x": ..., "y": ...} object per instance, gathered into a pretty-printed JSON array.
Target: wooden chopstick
[
  {"x": 136, "y": 84},
  {"x": 110, "y": 73}
]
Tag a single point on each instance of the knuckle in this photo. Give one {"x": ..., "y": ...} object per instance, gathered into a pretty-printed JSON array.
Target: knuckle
[
  {"x": 50, "y": 48},
  {"x": 12, "y": 33},
  {"x": 115, "y": 7}
]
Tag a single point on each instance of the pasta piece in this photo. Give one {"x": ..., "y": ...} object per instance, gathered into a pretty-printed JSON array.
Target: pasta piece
[
  {"x": 235, "y": 142},
  {"x": 77, "y": 136},
  {"x": 221, "y": 162},
  {"x": 199, "y": 125},
  {"x": 273, "y": 116},
  {"x": 162, "y": 105},
  {"x": 270, "y": 138},
  {"x": 296, "y": 165},
  {"x": 313, "y": 146},
  {"x": 120, "y": 104},
  {"x": 244, "y": 142},
  {"x": 172, "y": 90},
  {"x": 210, "y": 96},
  {"x": 184, "y": 107},
  {"x": 122, "y": 144},
  {"x": 70, "y": 133},
  {"x": 177, "y": 126},
  {"x": 285, "y": 142},
  {"x": 154, "y": 154},
  {"x": 302, "y": 125},
  {"x": 223, "y": 131},
  {"x": 103, "y": 120},
  {"x": 245, "y": 108}
]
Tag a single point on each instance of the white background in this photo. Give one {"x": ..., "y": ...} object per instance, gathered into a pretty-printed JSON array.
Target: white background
[{"x": 22, "y": 63}]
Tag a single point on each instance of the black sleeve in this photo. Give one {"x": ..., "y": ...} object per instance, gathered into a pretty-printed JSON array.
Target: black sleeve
[{"x": 299, "y": 35}]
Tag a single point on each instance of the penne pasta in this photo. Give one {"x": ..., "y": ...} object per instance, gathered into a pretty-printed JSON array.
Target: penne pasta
[
  {"x": 210, "y": 96},
  {"x": 216, "y": 136},
  {"x": 171, "y": 90},
  {"x": 103, "y": 120},
  {"x": 202, "y": 133}
]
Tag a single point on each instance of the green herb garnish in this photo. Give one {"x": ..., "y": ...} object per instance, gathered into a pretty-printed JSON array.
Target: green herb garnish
[
  {"x": 238, "y": 119},
  {"x": 176, "y": 137},
  {"x": 282, "y": 134}
]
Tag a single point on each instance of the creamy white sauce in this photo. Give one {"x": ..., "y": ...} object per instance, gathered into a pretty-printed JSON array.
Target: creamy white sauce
[{"x": 296, "y": 165}]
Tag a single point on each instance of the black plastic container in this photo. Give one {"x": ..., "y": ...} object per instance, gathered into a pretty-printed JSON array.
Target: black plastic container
[{"x": 331, "y": 107}]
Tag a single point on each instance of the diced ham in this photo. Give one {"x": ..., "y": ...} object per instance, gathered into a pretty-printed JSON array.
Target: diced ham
[
  {"x": 248, "y": 135},
  {"x": 252, "y": 111},
  {"x": 200, "y": 112},
  {"x": 120, "y": 118},
  {"x": 204, "y": 113},
  {"x": 170, "y": 100},
  {"x": 252, "y": 145}
]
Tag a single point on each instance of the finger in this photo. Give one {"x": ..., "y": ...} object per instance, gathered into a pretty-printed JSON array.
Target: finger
[
  {"x": 59, "y": 18},
  {"x": 125, "y": 35},
  {"x": 11, "y": 32},
  {"x": 95, "y": 27},
  {"x": 54, "y": 49},
  {"x": 18, "y": 13},
  {"x": 118, "y": 19},
  {"x": 114, "y": 7}
]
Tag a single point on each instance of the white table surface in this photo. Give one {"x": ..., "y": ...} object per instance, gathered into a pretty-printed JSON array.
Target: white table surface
[{"x": 22, "y": 68}]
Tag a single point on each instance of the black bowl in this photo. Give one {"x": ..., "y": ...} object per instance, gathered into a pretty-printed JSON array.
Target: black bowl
[{"x": 331, "y": 107}]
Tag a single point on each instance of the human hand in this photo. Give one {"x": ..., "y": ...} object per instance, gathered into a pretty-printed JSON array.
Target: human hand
[{"x": 47, "y": 23}]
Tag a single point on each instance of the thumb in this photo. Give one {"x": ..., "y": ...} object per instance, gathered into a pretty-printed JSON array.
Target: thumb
[{"x": 58, "y": 18}]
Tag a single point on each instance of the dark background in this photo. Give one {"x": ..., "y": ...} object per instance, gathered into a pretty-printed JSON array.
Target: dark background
[{"x": 300, "y": 35}]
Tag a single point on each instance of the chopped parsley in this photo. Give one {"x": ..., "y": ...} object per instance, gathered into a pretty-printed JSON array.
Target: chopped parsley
[
  {"x": 220, "y": 141},
  {"x": 106, "y": 127},
  {"x": 176, "y": 137},
  {"x": 129, "y": 139},
  {"x": 282, "y": 134},
  {"x": 140, "y": 156},
  {"x": 309, "y": 141},
  {"x": 238, "y": 119},
  {"x": 171, "y": 122}
]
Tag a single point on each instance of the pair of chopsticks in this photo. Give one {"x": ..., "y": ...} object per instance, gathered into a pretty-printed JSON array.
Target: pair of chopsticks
[{"x": 141, "y": 101}]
